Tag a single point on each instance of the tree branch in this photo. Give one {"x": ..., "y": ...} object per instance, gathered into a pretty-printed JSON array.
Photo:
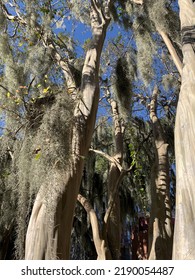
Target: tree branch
[
  {"x": 17, "y": 18},
  {"x": 171, "y": 50},
  {"x": 93, "y": 220},
  {"x": 70, "y": 81},
  {"x": 157, "y": 128},
  {"x": 168, "y": 43},
  {"x": 109, "y": 158},
  {"x": 112, "y": 200}
]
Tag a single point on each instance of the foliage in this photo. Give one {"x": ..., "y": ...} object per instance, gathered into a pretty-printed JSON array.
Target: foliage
[{"x": 38, "y": 116}]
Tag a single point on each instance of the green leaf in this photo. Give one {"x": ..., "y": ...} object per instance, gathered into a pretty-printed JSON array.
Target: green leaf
[
  {"x": 37, "y": 156},
  {"x": 20, "y": 44},
  {"x": 17, "y": 101},
  {"x": 46, "y": 89}
]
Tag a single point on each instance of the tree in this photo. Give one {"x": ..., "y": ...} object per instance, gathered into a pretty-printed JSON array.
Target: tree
[
  {"x": 155, "y": 16},
  {"x": 160, "y": 231},
  {"x": 39, "y": 243},
  {"x": 108, "y": 240},
  {"x": 78, "y": 114},
  {"x": 48, "y": 234},
  {"x": 183, "y": 247}
]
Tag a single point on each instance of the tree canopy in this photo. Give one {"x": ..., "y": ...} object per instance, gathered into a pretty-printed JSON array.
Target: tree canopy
[{"x": 88, "y": 101}]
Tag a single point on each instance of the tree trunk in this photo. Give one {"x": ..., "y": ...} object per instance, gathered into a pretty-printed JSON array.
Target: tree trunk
[
  {"x": 160, "y": 228},
  {"x": 101, "y": 246},
  {"x": 109, "y": 246},
  {"x": 49, "y": 230},
  {"x": 114, "y": 221},
  {"x": 184, "y": 234}
]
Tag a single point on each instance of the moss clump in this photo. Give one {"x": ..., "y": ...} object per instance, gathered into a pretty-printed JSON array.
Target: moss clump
[
  {"x": 123, "y": 86},
  {"x": 43, "y": 155}
]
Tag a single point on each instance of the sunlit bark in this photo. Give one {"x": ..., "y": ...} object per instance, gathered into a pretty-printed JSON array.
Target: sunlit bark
[
  {"x": 171, "y": 49},
  {"x": 184, "y": 234}
]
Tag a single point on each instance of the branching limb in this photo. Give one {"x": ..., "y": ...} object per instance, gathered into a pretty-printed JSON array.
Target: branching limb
[
  {"x": 171, "y": 50},
  {"x": 109, "y": 158},
  {"x": 16, "y": 18},
  {"x": 93, "y": 220},
  {"x": 177, "y": 61},
  {"x": 70, "y": 81}
]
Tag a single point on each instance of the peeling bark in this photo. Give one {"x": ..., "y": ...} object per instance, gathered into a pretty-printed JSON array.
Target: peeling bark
[
  {"x": 184, "y": 234},
  {"x": 160, "y": 227}
]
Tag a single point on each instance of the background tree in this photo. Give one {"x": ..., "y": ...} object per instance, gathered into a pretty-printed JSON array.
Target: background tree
[
  {"x": 65, "y": 193},
  {"x": 160, "y": 231},
  {"x": 146, "y": 18}
]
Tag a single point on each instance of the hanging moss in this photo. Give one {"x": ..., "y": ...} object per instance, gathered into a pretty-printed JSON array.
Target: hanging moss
[
  {"x": 8, "y": 190},
  {"x": 2, "y": 19},
  {"x": 169, "y": 82},
  {"x": 123, "y": 86},
  {"x": 157, "y": 12},
  {"x": 80, "y": 10},
  {"x": 41, "y": 155},
  {"x": 145, "y": 54},
  {"x": 163, "y": 16},
  {"x": 113, "y": 11}
]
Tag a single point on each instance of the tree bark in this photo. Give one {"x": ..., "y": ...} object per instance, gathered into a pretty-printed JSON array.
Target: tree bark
[
  {"x": 184, "y": 234},
  {"x": 101, "y": 246},
  {"x": 110, "y": 244},
  {"x": 49, "y": 229},
  {"x": 114, "y": 221},
  {"x": 160, "y": 227}
]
